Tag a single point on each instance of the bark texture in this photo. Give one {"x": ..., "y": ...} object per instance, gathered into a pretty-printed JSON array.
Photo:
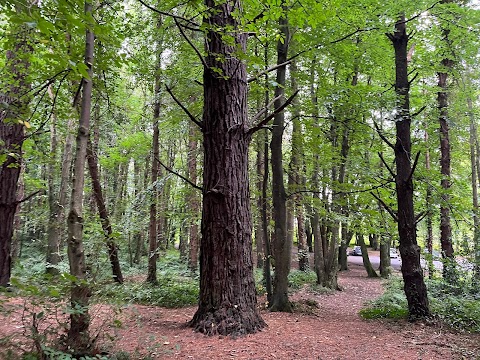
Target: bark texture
[
  {"x": 14, "y": 86},
  {"x": 227, "y": 303},
  {"x": 414, "y": 285}
]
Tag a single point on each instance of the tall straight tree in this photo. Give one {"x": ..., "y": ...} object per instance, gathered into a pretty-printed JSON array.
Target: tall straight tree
[
  {"x": 228, "y": 303},
  {"x": 152, "y": 227},
  {"x": 282, "y": 245},
  {"x": 78, "y": 335},
  {"x": 414, "y": 285},
  {"x": 445, "y": 156},
  {"x": 13, "y": 89}
]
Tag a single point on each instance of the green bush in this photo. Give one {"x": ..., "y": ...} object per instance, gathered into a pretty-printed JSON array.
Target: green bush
[{"x": 297, "y": 279}]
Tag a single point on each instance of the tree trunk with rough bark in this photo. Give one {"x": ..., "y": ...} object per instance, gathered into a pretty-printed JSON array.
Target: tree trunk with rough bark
[
  {"x": 14, "y": 87},
  {"x": 414, "y": 285},
  {"x": 228, "y": 303},
  {"x": 78, "y": 338}
]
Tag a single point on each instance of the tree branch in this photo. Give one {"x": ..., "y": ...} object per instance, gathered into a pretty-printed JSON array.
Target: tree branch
[
  {"x": 275, "y": 112},
  {"x": 415, "y": 163},
  {"x": 179, "y": 175},
  {"x": 386, "y": 207},
  {"x": 383, "y": 136},
  {"x": 189, "y": 114},
  {"x": 176, "y": 17},
  {"x": 199, "y": 54},
  {"x": 261, "y": 112},
  {"x": 419, "y": 111},
  {"x": 386, "y": 165},
  {"x": 28, "y": 197},
  {"x": 420, "y": 217}
]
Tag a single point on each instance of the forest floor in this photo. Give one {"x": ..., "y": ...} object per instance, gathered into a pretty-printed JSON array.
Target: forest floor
[{"x": 324, "y": 326}]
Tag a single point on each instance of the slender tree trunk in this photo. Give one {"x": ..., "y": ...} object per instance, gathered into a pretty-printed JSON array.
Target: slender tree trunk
[
  {"x": 193, "y": 200},
  {"x": 259, "y": 233},
  {"x": 428, "y": 198},
  {"x": 227, "y": 303},
  {"x": 152, "y": 228},
  {"x": 78, "y": 335},
  {"x": 103, "y": 213},
  {"x": 366, "y": 259},
  {"x": 53, "y": 256},
  {"x": 473, "y": 162},
  {"x": 445, "y": 169},
  {"x": 282, "y": 247},
  {"x": 297, "y": 175},
  {"x": 414, "y": 285}
]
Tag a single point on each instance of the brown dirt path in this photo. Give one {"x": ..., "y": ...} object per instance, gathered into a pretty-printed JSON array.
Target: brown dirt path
[{"x": 334, "y": 330}]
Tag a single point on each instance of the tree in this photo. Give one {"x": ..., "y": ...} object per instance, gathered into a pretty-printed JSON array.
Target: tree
[
  {"x": 13, "y": 93},
  {"x": 445, "y": 156},
  {"x": 282, "y": 245},
  {"x": 78, "y": 335},
  {"x": 414, "y": 285},
  {"x": 227, "y": 303}
]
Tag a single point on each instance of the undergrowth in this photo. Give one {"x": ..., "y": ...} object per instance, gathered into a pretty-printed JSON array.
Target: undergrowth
[{"x": 457, "y": 305}]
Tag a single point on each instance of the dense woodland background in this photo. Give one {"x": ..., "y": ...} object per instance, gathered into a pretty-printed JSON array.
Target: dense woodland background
[{"x": 119, "y": 117}]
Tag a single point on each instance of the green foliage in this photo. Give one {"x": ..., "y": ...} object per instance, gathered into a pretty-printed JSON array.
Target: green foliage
[
  {"x": 297, "y": 279},
  {"x": 176, "y": 287}
]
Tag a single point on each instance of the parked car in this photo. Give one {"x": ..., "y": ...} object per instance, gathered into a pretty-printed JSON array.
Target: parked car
[
  {"x": 393, "y": 253},
  {"x": 356, "y": 251}
]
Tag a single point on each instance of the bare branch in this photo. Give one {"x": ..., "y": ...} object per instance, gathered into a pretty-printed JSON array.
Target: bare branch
[
  {"x": 175, "y": 17},
  {"x": 269, "y": 117},
  {"x": 189, "y": 114},
  {"x": 415, "y": 163},
  {"x": 179, "y": 175},
  {"x": 386, "y": 165},
  {"x": 419, "y": 111},
  {"x": 386, "y": 207},
  {"x": 28, "y": 197},
  {"x": 261, "y": 112},
  {"x": 379, "y": 131},
  {"x": 199, "y": 54},
  {"x": 420, "y": 217}
]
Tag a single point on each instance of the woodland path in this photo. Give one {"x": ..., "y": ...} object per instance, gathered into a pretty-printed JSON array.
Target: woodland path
[
  {"x": 324, "y": 327},
  {"x": 333, "y": 330}
]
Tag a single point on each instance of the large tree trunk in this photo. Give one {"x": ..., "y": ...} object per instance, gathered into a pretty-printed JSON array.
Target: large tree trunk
[
  {"x": 14, "y": 87},
  {"x": 414, "y": 285},
  {"x": 78, "y": 335},
  {"x": 228, "y": 303},
  {"x": 103, "y": 213},
  {"x": 282, "y": 245}
]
